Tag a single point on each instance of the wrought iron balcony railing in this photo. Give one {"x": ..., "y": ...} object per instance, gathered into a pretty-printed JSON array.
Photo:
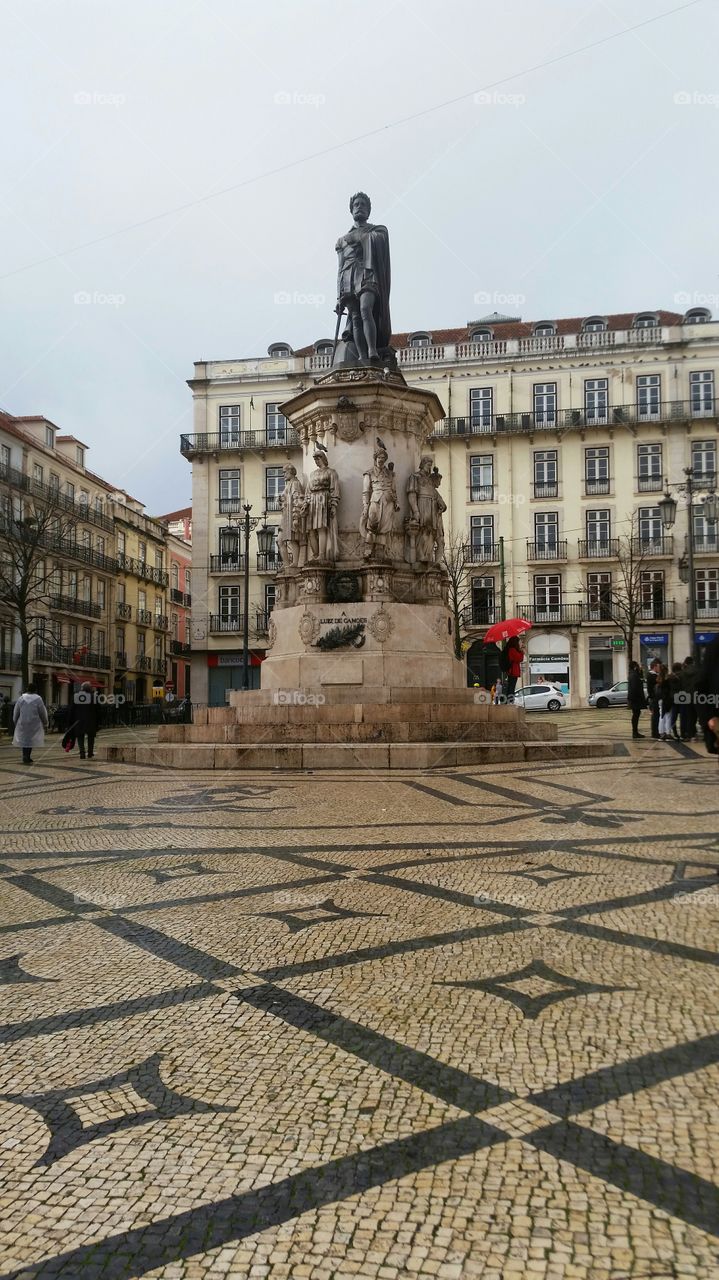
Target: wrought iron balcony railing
[
  {"x": 268, "y": 564},
  {"x": 180, "y": 647},
  {"x": 123, "y": 610},
  {"x": 549, "y": 613},
  {"x": 546, "y": 488},
  {"x": 141, "y": 569},
  {"x": 227, "y": 564},
  {"x": 235, "y": 441},
  {"x": 597, "y": 548},
  {"x": 650, "y": 484},
  {"x": 593, "y": 488},
  {"x": 705, "y": 544},
  {"x": 661, "y": 545},
  {"x": 69, "y": 657},
  {"x": 10, "y": 662},
  {"x": 659, "y": 610},
  {"x": 528, "y": 420},
  {"x": 121, "y": 661},
  {"x": 705, "y": 609},
  {"x": 143, "y": 662},
  {"x": 479, "y": 616},
  {"x": 180, "y": 597},
  {"x": 555, "y": 550},
  {"x": 144, "y": 617},
  {"x": 481, "y": 552},
  {"x": 159, "y": 666},
  {"x": 82, "y": 511},
  {"x": 221, "y": 623},
  {"x": 481, "y": 493},
  {"x": 160, "y": 621},
  {"x": 71, "y": 604}
]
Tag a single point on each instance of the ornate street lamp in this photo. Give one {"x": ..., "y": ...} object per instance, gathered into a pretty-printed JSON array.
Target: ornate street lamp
[
  {"x": 711, "y": 508},
  {"x": 668, "y": 510},
  {"x": 265, "y": 542}
]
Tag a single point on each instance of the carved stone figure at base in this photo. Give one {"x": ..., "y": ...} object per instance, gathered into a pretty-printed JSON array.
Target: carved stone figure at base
[
  {"x": 379, "y": 505},
  {"x": 319, "y": 508},
  {"x": 424, "y": 513},
  {"x": 441, "y": 508},
  {"x": 291, "y": 538}
]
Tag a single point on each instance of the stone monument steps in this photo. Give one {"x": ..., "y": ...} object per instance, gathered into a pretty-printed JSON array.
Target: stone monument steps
[
  {"x": 338, "y": 694},
  {"x": 373, "y": 730},
  {"x": 367, "y": 712},
  {"x": 360, "y": 756}
]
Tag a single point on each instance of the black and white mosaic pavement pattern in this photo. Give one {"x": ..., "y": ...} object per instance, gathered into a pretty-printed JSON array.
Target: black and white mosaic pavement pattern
[{"x": 458, "y": 1024}]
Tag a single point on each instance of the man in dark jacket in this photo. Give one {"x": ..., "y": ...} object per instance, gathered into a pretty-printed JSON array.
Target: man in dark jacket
[
  {"x": 635, "y": 696},
  {"x": 707, "y": 687},
  {"x": 652, "y": 695},
  {"x": 688, "y": 709},
  {"x": 86, "y": 720}
]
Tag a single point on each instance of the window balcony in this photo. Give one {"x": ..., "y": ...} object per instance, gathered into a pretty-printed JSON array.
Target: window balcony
[
  {"x": 479, "y": 616},
  {"x": 481, "y": 552},
  {"x": 273, "y": 502},
  {"x": 268, "y": 564},
  {"x": 656, "y": 611},
  {"x": 222, "y": 624},
  {"x": 160, "y": 622},
  {"x": 237, "y": 441},
  {"x": 10, "y": 662},
  {"x": 542, "y": 614},
  {"x": 598, "y": 548},
  {"x": 76, "y": 551},
  {"x": 159, "y": 666},
  {"x": 662, "y": 545},
  {"x": 546, "y": 488},
  {"x": 144, "y": 617},
  {"x": 180, "y": 647},
  {"x": 230, "y": 506},
  {"x": 71, "y": 604},
  {"x": 123, "y": 610},
  {"x": 71, "y": 657},
  {"x": 83, "y": 512},
  {"x": 705, "y": 609},
  {"x": 595, "y": 488},
  {"x": 481, "y": 493},
  {"x": 227, "y": 564},
  {"x": 650, "y": 484},
  {"x": 143, "y": 662},
  {"x": 528, "y": 420},
  {"x": 141, "y": 569},
  {"x": 705, "y": 544},
  {"x": 544, "y": 551},
  {"x": 120, "y": 661}
]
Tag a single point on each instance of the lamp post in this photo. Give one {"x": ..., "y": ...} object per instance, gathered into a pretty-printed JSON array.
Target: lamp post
[
  {"x": 265, "y": 542},
  {"x": 668, "y": 510}
]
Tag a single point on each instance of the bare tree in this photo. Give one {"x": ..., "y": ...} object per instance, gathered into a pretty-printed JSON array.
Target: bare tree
[
  {"x": 457, "y": 565},
  {"x": 35, "y": 527},
  {"x": 628, "y": 597}
]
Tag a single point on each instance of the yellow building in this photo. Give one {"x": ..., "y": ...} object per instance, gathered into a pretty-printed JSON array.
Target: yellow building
[{"x": 559, "y": 438}]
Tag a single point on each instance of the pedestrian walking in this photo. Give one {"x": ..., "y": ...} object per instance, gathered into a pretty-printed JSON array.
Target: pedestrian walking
[
  {"x": 30, "y": 720},
  {"x": 652, "y": 697},
  {"x": 667, "y": 687},
  {"x": 87, "y": 720},
  {"x": 513, "y": 656},
  {"x": 707, "y": 689},
  {"x": 688, "y": 709},
  {"x": 635, "y": 696},
  {"x": 5, "y": 713}
]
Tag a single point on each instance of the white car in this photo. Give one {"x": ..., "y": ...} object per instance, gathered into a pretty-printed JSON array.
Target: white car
[{"x": 539, "y": 697}]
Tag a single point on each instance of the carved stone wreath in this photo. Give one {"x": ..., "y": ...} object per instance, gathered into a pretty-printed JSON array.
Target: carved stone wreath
[
  {"x": 380, "y": 625},
  {"x": 309, "y": 628}
]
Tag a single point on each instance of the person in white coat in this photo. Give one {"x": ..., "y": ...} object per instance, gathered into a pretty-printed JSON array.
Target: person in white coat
[{"x": 30, "y": 719}]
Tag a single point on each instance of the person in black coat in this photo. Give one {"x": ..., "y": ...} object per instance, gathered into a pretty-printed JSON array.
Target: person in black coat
[
  {"x": 635, "y": 696},
  {"x": 652, "y": 698},
  {"x": 707, "y": 690},
  {"x": 87, "y": 719}
]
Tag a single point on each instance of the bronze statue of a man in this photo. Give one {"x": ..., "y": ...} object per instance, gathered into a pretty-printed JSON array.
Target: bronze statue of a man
[{"x": 363, "y": 283}]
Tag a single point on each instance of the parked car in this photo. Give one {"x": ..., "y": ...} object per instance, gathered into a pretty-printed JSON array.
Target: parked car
[
  {"x": 539, "y": 697},
  {"x": 614, "y": 697}
]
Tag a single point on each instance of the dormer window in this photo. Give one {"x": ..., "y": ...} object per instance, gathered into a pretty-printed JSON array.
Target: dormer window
[
  {"x": 481, "y": 335},
  {"x": 546, "y": 329},
  {"x": 279, "y": 349},
  {"x": 80, "y": 456},
  {"x": 594, "y": 324},
  {"x": 420, "y": 340},
  {"x": 646, "y": 320},
  {"x": 697, "y": 315},
  {"x": 49, "y": 438},
  {"x": 324, "y": 348}
]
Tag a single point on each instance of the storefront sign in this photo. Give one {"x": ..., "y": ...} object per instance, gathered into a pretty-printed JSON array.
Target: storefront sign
[
  {"x": 618, "y": 642},
  {"x": 705, "y": 637},
  {"x": 232, "y": 659},
  {"x": 654, "y": 637}
]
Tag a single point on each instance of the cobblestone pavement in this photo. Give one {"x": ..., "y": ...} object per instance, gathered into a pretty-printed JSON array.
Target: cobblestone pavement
[{"x": 460, "y": 1024}]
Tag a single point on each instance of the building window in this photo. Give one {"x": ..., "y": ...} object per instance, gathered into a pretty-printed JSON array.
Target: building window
[
  {"x": 49, "y": 438},
  {"x": 70, "y": 490},
  {"x": 481, "y": 537},
  {"x": 275, "y": 424},
  {"x": 546, "y": 329},
  {"x": 649, "y": 467},
  {"x": 270, "y": 597},
  {"x": 37, "y": 471},
  {"x": 5, "y": 456},
  {"x": 159, "y": 559},
  {"x": 72, "y": 584},
  {"x": 120, "y": 593},
  {"x": 87, "y": 540},
  {"x": 596, "y": 400},
  {"x": 229, "y": 602},
  {"x": 175, "y": 626},
  {"x": 87, "y": 589},
  {"x": 706, "y": 533},
  {"x": 80, "y": 456},
  {"x": 648, "y": 396},
  {"x": 697, "y": 315},
  {"x": 158, "y": 648},
  {"x": 121, "y": 543},
  {"x": 595, "y": 324},
  {"x": 480, "y": 408},
  {"x": 596, "y": 469},
  {"x": 188, "y": 582},
  {"x": 548, "y": 595},
  {"x": 279, "y": 349},
  {"x": 55, "y": 481},
  {"x": 230, "y": 489},
  {"x": 141, "y": 644},
  {"x": 545, "y": 404},
  {"x": 482, "y": 601},
  {"x": 420, "y": 340},
  {"x": 646, "y": 320},
  {"x": 546, "y": 530},
  {"x": 87, "y": 638},
  {"x": 481, "y": 335},
  {"x": 101, "y": 593},
  {"x": 651, "y": 588},
  {"x": 141, "y": 599},
  {"x": 274, "y": 488},
  {"x": 120, "y": 641},
  {"x": 230, "y": 541},
  {"x": 599, "y": 596},
  {"x": 481, "y": 478},
  {"x": 72, "y": 636},
  {"x": 98, "y": 505},
  {"x": 142, "y": 552},
  {"x": 707, "y": 592},
  {"x": 229, "y": 425},
  {"x": 546, "y": 484},
  {"x": 158, "y": 606},
  {"x": 100, "y": 546},
  {"x": 704, "y": 460},
  {"x": 175, "y": 576},
  {"x": 701, "y": 391},
  {"x": 598, "y": 529},
  {"x": 650, "y": 527},
  {"x": 100, "y": 643},
  {"x": 324, "y": 348}
]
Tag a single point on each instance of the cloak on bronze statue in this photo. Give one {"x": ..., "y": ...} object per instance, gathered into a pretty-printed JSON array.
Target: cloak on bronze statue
[{"x": 363, "y": 285}]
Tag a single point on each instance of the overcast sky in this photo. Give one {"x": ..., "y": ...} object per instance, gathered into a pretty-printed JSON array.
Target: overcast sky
[{"x": 585, "y": 186}]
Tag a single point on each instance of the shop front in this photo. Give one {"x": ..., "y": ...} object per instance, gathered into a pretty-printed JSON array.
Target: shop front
[
  {"x": 653, "y": 645},
  {"x": 703, "y": 638},
  {"x": 225, "y": 673},
  {"x": 548, "y": 660}
]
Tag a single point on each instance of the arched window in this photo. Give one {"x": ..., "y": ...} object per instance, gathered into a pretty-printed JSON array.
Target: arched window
[
  {"x": 545, "y": 329},
  {"x": 420, "y": 340},
  {"x": 324, "y": 347},
  {"x": 697, "y": 315},
  {"x": 279, "y": 349},
  {"x": 646, "y": 320},
  {"x": 594, "y": 324},
  {"x": 481, "y": 335}
]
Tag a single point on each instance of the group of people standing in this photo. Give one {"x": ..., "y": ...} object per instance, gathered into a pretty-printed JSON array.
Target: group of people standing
[
  {"x": 29, "y": 720},
  {"x": 681, "y": 699}
]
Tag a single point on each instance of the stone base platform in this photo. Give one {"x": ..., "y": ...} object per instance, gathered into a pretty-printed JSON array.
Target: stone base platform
[{"x": 414, "y": 756}]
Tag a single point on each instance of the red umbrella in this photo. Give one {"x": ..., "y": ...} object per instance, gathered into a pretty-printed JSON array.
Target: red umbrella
[{"x": 503, "y": 630}]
